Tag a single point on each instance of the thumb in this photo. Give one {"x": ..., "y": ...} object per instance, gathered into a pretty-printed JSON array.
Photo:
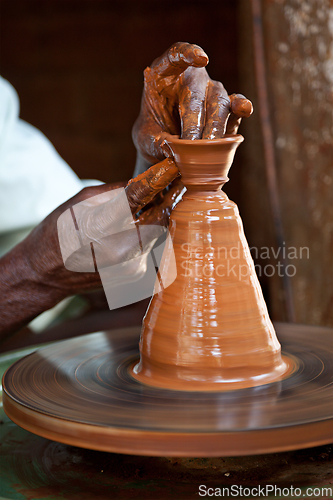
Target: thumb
[{"x": 143, "y": 188}]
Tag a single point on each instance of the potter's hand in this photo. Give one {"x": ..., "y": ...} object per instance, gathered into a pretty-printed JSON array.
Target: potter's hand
[
  {"x": 179, "y": 98},
  {"x": 104, "y": 225},
  {"x": 33, "y": 275}
]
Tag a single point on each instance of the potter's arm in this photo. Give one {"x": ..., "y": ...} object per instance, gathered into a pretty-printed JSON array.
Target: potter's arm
[
  {"x": 33, "y": 277},
  {"x": 180, "y": 98}
]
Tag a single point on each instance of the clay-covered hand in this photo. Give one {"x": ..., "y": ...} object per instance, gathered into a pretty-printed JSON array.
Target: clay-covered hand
[
  {"x": 179, "y": 98},
  {"x": 33, "y": 275},
  {"x": 106, "y": 235},
  {"x": 101, "y": 222}
]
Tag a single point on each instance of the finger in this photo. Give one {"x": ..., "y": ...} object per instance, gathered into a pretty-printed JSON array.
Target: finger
[
  {"x": 128, "y": 246},
  {"x": 240, "y": 108},
  {"x": 217, "y": 111},
  {"x": 114, "y": 215},
  {"x": 178, "y": 57},
  {"x": 233, "y": 124},
  {"x": 159, "y": 214},
  {"x": 144, "y": 187},
  {"x": 192, "y": 103},
  {"x": 148, "y": 138}
]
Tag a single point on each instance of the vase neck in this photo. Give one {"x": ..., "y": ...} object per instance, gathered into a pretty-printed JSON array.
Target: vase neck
[{"x": 205, "y": 187}]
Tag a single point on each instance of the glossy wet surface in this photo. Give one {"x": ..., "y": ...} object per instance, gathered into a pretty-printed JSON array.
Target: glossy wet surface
[{"x": 210, "y": 323}]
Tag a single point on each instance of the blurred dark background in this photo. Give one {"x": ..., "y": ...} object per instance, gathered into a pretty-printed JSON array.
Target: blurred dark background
[{"x": 77, "y": 66}]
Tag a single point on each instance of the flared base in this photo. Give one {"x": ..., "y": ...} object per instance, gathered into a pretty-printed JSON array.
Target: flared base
[{"x": 206, "y": 380}]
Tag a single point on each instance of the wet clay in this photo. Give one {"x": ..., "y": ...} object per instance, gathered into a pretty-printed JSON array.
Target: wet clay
[
  {"x": 180, "y": 98},
  {"x": 139, "y": 190},
  {"x": 210, "y": 329}
]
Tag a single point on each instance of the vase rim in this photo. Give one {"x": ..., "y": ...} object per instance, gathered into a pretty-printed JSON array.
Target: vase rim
[{"x": 174, "y": 139}]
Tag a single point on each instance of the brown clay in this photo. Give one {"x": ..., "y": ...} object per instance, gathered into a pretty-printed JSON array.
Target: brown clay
[
  {"x": 210, "y": 329},
  {"x": 155, "y": 179}
]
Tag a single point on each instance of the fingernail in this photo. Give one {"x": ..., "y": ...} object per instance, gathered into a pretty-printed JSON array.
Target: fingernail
[
  {"x": 201, "y": 56},
  {"x": 241, "y": 106}
]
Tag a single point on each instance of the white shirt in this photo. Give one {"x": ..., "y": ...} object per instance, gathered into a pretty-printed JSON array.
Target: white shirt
[{"x": 34, "y": 179}]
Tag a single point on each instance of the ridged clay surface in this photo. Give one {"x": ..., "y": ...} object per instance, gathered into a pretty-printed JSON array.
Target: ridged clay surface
[{"x": 210, "y": 329}]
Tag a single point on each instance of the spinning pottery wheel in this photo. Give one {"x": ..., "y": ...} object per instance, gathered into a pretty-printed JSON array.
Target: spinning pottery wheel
[
  {"x": 211, "y": 379},
  {"x": 81, "y": 392}
]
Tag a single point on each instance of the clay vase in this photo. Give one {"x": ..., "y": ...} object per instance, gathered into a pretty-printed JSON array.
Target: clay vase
[{"x": 210, "y": 329}]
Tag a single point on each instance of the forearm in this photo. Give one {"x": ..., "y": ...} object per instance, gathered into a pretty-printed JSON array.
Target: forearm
[
  {"x": 33, "y": 277},
  {"x": 22, "y": 295}
]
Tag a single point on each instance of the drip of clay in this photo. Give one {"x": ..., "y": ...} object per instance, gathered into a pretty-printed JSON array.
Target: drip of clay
[{"x": 210, "y": 329}]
